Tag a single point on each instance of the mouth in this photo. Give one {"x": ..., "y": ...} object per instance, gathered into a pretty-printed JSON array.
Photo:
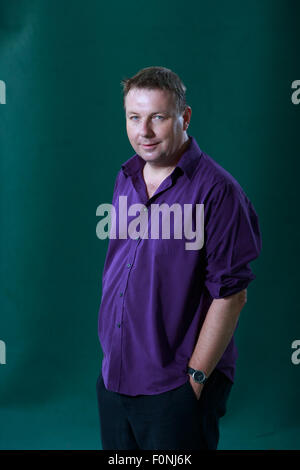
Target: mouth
[{"x": 149, "y": 146}]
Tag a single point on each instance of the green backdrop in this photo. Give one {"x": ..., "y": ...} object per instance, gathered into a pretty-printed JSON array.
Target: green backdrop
[{"x": 62, "y": 141}]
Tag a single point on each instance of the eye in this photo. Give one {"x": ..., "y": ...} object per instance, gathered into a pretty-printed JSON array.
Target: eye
[
  {"x": 159, "y": 117},
  {"x": 133, "y": 118}
]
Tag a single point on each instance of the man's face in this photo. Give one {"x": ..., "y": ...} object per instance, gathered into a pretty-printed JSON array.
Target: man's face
[{"x": 155, "y": 129}]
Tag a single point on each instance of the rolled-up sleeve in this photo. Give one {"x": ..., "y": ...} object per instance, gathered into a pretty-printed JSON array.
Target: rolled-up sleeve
[{"x": 232, "y": 240}]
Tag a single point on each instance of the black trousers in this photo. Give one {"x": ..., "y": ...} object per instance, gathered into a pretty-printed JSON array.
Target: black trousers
[{"x": 173, "y": 420}]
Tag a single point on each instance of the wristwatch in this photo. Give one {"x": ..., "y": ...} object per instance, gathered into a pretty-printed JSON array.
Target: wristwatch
[{"x": 198, "y": 375}]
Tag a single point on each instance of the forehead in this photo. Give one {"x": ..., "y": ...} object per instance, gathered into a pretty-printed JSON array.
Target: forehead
[{"x": 152, "y": 100}]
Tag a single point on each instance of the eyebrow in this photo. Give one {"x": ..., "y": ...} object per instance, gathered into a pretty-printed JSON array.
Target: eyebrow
[{"x": 151, "y": 114}]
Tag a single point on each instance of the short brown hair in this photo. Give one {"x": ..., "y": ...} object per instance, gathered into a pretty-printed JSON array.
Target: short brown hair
[{"x": 157, "y": 78}]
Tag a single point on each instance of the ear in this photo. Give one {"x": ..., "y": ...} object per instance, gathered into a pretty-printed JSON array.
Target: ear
[{"x": 186, "y": 117}]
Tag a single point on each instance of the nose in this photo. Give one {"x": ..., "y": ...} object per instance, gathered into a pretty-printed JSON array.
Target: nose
[{"x": 146, "y": 129}]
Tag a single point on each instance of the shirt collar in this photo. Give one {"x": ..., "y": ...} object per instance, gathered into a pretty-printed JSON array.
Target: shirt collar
[{"x": 187, "y": 163}]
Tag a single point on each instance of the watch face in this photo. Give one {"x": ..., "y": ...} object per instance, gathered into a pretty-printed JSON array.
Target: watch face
[{"x": 199, "y": 376}]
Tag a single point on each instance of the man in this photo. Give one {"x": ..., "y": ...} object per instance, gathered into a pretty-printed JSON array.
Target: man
[{"x": 169, "y": 310}]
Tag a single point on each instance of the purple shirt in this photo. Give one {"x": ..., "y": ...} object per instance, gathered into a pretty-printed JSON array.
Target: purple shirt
[{"x": 155, "y": 292}]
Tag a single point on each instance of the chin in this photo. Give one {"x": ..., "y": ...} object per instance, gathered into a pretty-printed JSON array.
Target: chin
[{"x": 148, "y": 157}]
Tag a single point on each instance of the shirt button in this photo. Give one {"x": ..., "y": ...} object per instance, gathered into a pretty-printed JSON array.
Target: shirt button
[
  {"x": 137, "y": 238},
  {"x": 128, "y": 265},
  {"x": 121, "y": 294},
  {"x": 145, "y": 209},
  {"x": 119, "y": 325}
]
